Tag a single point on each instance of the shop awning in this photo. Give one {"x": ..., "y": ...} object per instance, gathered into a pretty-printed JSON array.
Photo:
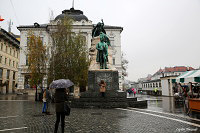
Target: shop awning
[{"x": 189, "y": 76}]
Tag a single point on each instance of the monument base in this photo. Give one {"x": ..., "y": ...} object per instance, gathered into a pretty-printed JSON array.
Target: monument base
[
  {"x": 107, "y": 102},
  {"x": 108, "y": 75}
]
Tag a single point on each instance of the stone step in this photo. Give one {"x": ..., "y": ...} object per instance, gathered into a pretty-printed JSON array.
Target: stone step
[
  {"x": 111, "y": 94},
  {"x": 107, "y": 103}
]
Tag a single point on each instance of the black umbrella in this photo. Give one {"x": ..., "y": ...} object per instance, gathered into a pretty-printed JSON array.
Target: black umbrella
[{"x": 61, "y": 83}]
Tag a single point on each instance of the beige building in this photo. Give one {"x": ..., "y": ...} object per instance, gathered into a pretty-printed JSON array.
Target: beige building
[{"x": 9, "y": 60}]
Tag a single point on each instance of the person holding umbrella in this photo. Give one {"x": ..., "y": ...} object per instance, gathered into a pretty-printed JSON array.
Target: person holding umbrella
[{"x": 60, "y": 98}]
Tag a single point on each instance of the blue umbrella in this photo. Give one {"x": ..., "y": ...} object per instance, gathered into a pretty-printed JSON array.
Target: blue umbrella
[{"x": 61, "y": 83}]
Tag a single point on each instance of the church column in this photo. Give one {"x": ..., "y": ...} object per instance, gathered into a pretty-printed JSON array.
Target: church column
[
  {"x": 20, "y": 79},
  {"x": 4, "y": 80},
  {"x": 89, "y": 38}
]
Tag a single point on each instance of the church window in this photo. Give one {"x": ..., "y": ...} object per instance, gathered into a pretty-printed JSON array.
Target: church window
[
  {"x": 9, "y": 62},
  {"x": 8, "y": 74},
  {"x": 113, "y": 61},
  {"x": 1, "y": 73},
  {"x": 6, "y": 49},
  {"x": 27, "y": 60},
  {"x": 1, "y": 59},
  {"x": 13, "y": 75},
  {"x": 5, "y": 61},
  {"x": 1, "y": 46},
  {"x": 83, "y": 23},
  {"x": 160, "y": 84}
]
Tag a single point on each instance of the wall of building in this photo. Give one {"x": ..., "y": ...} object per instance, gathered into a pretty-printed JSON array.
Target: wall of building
[
  {"x": 23, "y": 68},
  {"x": 9, "y": 61},
  {"x": 167, "y": 87}
]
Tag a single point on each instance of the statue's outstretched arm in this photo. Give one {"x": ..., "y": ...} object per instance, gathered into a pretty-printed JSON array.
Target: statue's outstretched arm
[{"x": 102, "y": 22}]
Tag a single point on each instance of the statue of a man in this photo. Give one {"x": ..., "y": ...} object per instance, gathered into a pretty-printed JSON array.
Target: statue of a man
[
  {"x": 98, "y": 29},
  {"x": 102, "y": 53}
]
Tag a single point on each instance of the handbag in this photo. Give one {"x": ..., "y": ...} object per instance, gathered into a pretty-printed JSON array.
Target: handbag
[{"x": 67, "y": 109}]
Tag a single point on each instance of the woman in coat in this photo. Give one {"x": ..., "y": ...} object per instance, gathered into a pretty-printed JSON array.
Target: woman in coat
[
  {"x": 102, "y": 88},
  {"x": 60, "y": 98}
]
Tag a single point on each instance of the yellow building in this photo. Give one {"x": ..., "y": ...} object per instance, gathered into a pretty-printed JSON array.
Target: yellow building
[{"x": 9, "y": 60}]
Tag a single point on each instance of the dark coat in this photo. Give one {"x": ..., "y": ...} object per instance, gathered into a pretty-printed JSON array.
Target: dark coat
[
  {"x": 48, "y": 95},
  {"x": 60, "y": 98}
]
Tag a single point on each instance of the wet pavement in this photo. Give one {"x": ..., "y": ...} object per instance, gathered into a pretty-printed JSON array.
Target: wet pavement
[
  {"x": 21, "y": 114},
  {"x": 166, "y": 104}
]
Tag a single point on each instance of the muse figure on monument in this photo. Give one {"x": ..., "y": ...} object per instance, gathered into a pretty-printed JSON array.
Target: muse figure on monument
[{"x": 98, "y": 29}]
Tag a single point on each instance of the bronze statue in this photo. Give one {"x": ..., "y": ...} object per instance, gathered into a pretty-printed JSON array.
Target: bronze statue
[
  {"x": 102, "y": 53},
  {"x": 98, "y": 29}
]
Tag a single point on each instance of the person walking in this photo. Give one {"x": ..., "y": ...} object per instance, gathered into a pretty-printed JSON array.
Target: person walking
[
  {"x": 44, "y": 102},
  {"x": 48, "y": 99},
  {"x": 134, "y": 92},
  {"x": 130, "y": 92},
  {"x": 60, "y": 98},
  {"x": 102, "y": 88}
]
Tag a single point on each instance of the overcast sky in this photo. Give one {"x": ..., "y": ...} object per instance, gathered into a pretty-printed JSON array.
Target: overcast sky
[{"x": 157, "y": 33}]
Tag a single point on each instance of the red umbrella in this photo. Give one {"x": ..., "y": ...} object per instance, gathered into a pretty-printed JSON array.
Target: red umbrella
[
  {"x": 133, "y": 89},
  {"x": 1, "y": 19}
]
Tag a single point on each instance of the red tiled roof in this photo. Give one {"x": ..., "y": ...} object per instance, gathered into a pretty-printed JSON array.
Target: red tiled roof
[{"x": 174, "y": 69}]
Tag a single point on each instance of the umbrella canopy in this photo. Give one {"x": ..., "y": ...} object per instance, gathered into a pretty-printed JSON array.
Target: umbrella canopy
[
  {"x": 61, "y": 83},
  {"x": 189, "y": 76}
]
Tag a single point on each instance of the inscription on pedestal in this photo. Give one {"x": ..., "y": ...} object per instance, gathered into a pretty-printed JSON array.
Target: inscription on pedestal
[{"x": 110, "y": 77}]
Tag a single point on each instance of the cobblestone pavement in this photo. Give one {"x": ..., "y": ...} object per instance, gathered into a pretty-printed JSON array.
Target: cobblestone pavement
[{"x": 24, "y": 116}]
